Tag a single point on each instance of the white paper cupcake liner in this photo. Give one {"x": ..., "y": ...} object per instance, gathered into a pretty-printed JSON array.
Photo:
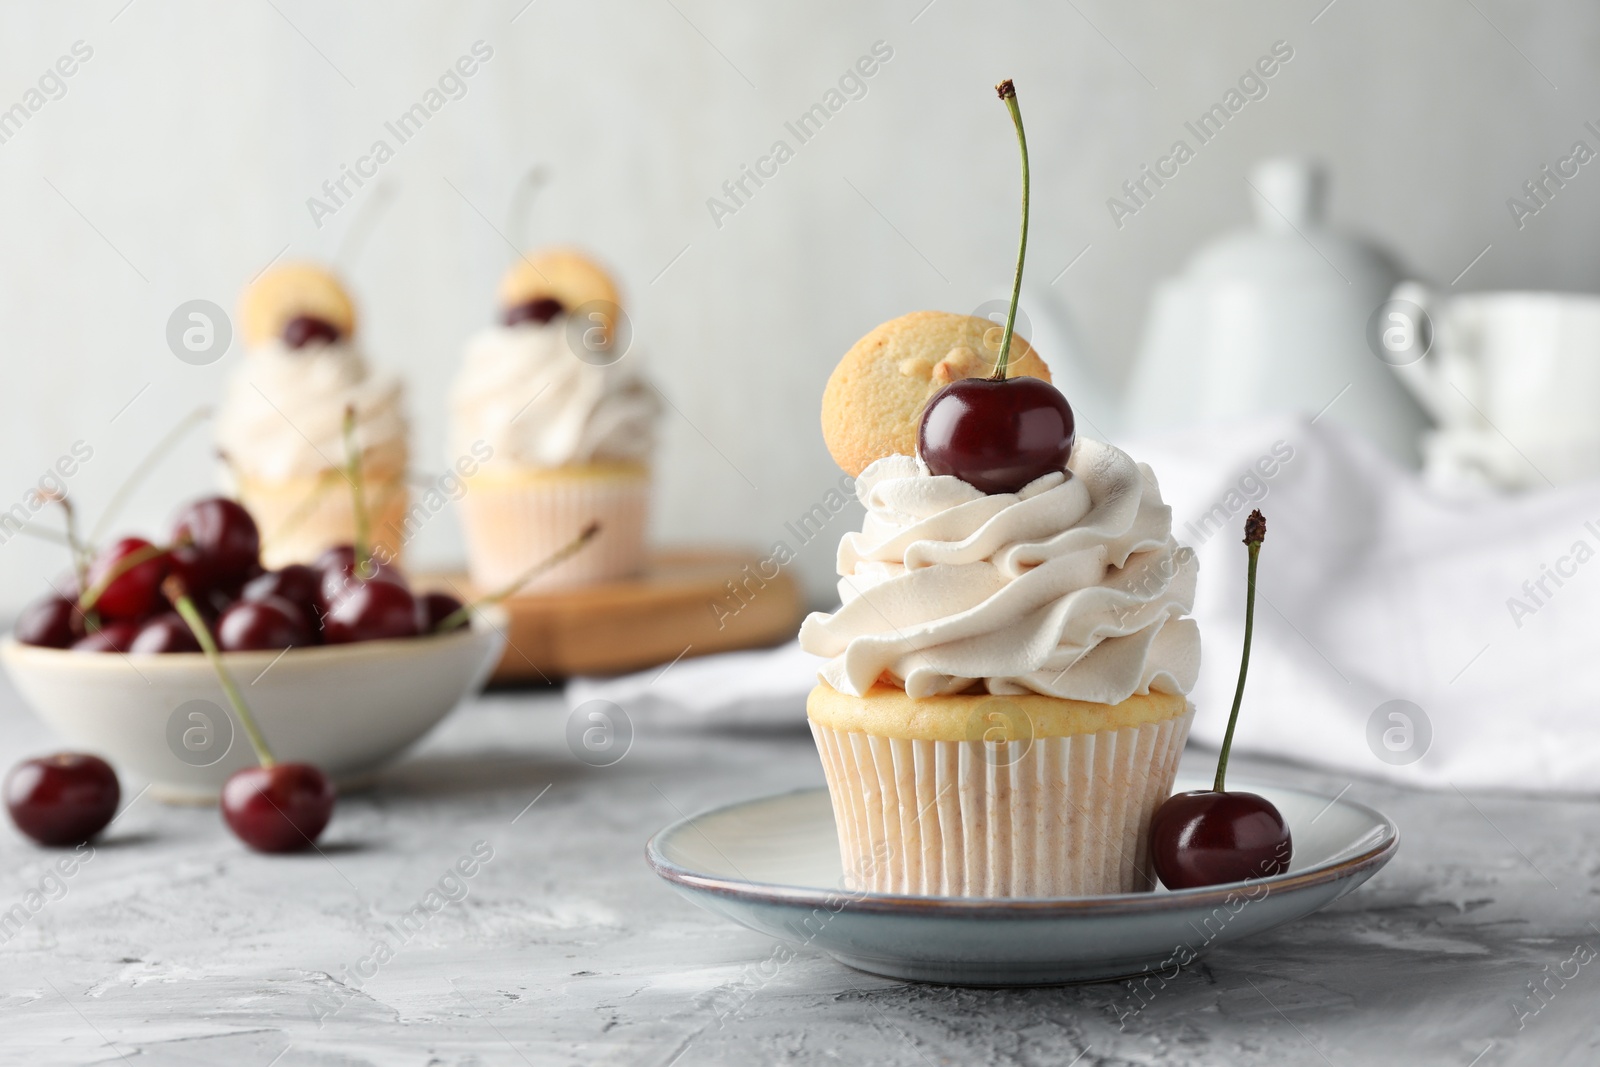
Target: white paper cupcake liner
[
  {"x": 510, "y": 527},
  {"x": 1070, "y": 817}
]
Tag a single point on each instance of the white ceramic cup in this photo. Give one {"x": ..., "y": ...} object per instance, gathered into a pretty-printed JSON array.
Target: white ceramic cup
[{"x": 1519, "y": 371}]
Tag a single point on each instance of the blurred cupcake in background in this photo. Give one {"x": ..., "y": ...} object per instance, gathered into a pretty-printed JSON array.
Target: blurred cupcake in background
[
  {"x": 554, "y": 399},
  {"x": 281, "y": 423}
]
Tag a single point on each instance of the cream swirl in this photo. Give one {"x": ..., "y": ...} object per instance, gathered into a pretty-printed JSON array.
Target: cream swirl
[
  {"x": 524, "y": 391},
  {"x": 1073, "y": 587},
  {"x": 283, "y": 414}
]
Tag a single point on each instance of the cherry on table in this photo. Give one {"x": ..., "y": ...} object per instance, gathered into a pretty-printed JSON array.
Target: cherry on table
[
  {"x": 370, "y": 611},
  {"x": 216, "y": 545},
  {"x": 1208, "y": 837},
  {"x": 997, "y": 435},
  {"x": 303, "y": 330},
  {"x": 134, "y": 592},
  {"x": 164, "y": 634},
  {"x": 278, "y": 808},
  {"x": 117, "y": 636},
  {"x": 268, "y": 623},
  {"x": 539, "y": 310},
  {"x": 50, "y": 622},
  {"x": 63, "y": 799}
]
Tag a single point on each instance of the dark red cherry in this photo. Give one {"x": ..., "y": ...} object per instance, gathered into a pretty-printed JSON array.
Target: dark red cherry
[
  {"x": 50, "y": 622},
  {"x": 296, "y": 583},
  {"x": 114, "y": 636},
  {"x": 304, "y": 330},
  {"x": 997, "y": 436},
  {"x": 63, "y": 799},
  {"x": 164, "y": 634},
  {"x": 135, "y": 592},
  {"x": 539, "y": 310},
  {"x": 1208, "y": 838},
  {"x": 370, "y": 611},
  {"x": 216, "y": 545},
  {"x": 282, "y": 808},
  {"x": 337, "y": 567},
  {"x": 434, "y": 608},
  {"x": 254, "y": 625}
]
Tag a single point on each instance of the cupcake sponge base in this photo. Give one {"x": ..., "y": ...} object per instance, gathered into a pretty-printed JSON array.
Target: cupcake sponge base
[{"x": 983, "y": 796}]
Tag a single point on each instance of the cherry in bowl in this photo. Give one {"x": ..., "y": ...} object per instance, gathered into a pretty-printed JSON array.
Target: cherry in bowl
[{"x": 50, "y": 622}]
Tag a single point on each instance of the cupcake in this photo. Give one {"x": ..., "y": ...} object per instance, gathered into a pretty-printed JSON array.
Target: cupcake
[
  {"x": 281, "y": 424},
  {"x": 1004, "y": 701},
  {"x": 553, "y": 406}
]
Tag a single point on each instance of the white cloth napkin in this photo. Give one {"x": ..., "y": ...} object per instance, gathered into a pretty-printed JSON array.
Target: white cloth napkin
[{"x": 1482, "y": 619}]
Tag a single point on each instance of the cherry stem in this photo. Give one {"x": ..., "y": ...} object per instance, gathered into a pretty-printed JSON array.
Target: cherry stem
[
  {"x": 78, "y": 550},
  {"x": 358, "y": 495},
  {"x": 459, "y": 617},
  {"x": 175, "y": 592},
  {"x": 1008, "y": 93},
  {"x": 144, "y": 467},
  {"x": 92, "y": 595},
  {"x": 1255, "y": 531}
]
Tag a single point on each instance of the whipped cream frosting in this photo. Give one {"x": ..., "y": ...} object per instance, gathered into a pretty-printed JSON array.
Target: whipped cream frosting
[
  {"x": 283, "y": 414},
  {"x": 522, "y": 390},
  {"x": 1073, "y": 587}
]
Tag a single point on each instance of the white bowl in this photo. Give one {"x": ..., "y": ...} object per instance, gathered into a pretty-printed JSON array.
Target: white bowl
[{"x": 349, "y": 709}]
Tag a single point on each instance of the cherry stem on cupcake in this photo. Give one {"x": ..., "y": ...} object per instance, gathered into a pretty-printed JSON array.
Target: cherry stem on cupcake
[
  {"x": 175, "y": 592},
  {"x": 143, "y": 468},
  {"x": 458, "y": 618},
  {"x": 358, "y": 495},
  {"x": 1255, "y": 532},
  {"x": 1008, "y": 93}
]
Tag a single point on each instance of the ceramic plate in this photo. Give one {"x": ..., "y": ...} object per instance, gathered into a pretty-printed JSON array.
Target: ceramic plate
[{"x": 773, "y": 865}]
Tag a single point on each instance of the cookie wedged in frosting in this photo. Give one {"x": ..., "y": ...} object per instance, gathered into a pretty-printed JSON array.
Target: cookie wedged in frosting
[{"x": 1073, "y": 587}]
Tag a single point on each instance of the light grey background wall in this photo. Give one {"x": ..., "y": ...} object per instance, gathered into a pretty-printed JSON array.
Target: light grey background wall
[{"x": 180, "y": 158}]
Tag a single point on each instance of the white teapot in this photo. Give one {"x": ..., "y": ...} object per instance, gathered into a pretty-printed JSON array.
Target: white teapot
[{"x": 1275, "y": 317}]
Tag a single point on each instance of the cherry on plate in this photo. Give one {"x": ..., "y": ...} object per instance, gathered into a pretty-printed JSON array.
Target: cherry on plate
[
  {"x": 997, "y": 436},
  {"x": 1207, "y": 838},
  {"x": 254, "y": 625},
  {"x": 63, "y": 799},
  {"x": 50, "y": 622},
  {"x": 370, "y": 611},
  {"x": 281, "y": 808},
  {"x": 164, "y": 634},
  {"x": 134, "y": 593},
  {"x": 112, "y": 637}
]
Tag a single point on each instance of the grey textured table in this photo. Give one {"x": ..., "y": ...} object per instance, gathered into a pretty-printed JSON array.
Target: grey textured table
[{"x": 173, "y": 945}]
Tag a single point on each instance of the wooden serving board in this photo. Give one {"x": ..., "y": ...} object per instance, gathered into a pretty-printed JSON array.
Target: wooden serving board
[{"x": 681, "y": 606}]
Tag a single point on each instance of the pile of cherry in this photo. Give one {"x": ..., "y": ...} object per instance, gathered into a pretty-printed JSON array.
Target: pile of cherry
[
  {"x": 215, "y": 553},
  {"x": 206, "y": 591}
]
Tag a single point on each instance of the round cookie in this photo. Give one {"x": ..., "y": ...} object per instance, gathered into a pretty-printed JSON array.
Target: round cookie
[
  {"x": 562, "y": 274},
  {"x": 874, "y": 399},
  {"x": 289, "y": 290}
]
